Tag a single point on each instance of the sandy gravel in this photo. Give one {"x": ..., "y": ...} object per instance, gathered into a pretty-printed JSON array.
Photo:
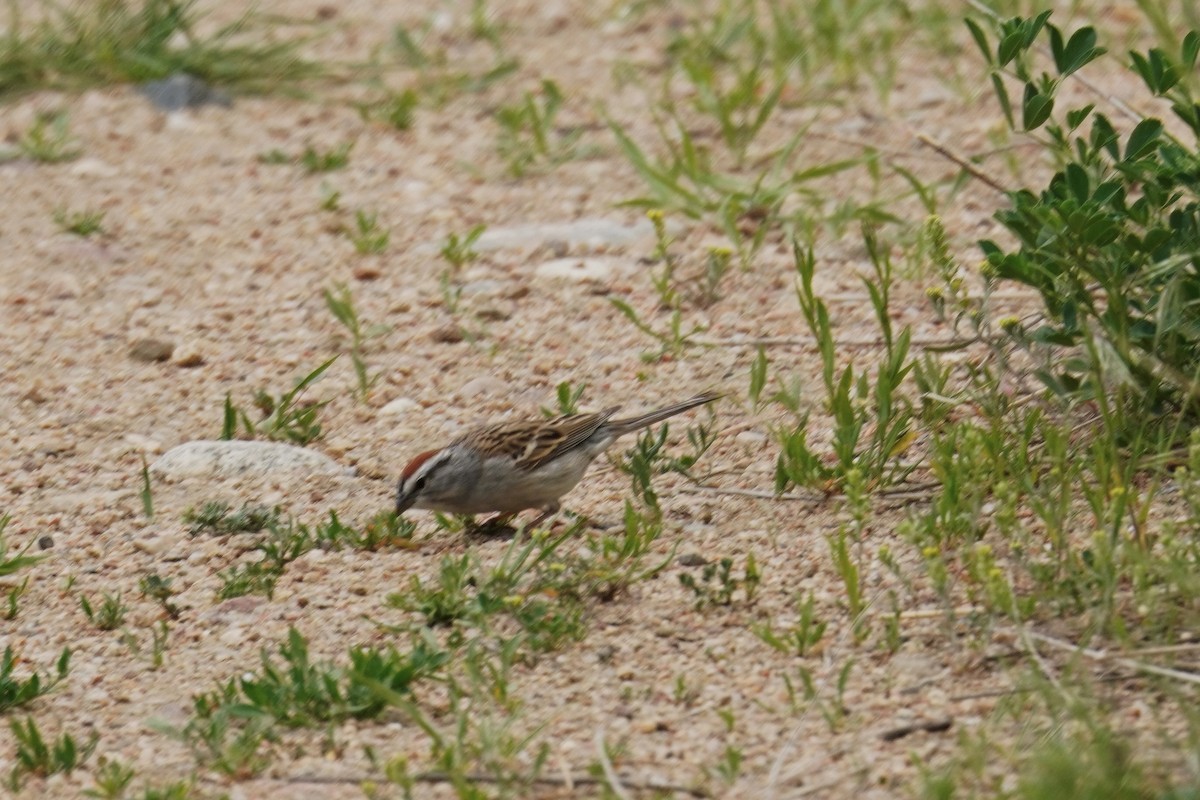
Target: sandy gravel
[{"x": 226, "y": 258}]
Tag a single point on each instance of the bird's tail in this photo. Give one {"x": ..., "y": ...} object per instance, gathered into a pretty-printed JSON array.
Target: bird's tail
[{"x": 622, "y": 426}]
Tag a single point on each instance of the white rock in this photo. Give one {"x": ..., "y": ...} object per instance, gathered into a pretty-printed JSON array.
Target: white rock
[
  {"x": 579, "y": 232},
  {"x": 399, "y": 406},
  {"x": 159, "y": 545},
  {"x": 93, "y": 168},
  {"x": 576, "y": 269},
  {"x": 483, "y": 385},
  {"x": 232, "y": 636},
  {"x": 483, "y": 288},
  {"x": 232, "y": 458},
  {"x": 751, "y": 438},
  {"x": 83, "y": 501}
]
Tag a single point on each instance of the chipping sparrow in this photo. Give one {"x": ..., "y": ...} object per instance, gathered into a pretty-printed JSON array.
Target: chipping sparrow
[{"x": 508, "y": 467}]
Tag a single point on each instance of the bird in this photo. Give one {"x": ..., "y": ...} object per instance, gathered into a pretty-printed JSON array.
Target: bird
[{"x": 505, "y": 468}]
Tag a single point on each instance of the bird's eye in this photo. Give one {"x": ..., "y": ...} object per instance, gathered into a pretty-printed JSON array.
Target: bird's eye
[{"x": 418, "y": 484}]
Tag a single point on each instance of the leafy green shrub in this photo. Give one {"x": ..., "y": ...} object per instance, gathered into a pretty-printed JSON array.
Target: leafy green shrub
[{"x": 1112, "y": 243}]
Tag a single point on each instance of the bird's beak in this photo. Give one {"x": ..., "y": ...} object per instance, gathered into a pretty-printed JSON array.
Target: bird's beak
[{"x": 403, "y": 502}]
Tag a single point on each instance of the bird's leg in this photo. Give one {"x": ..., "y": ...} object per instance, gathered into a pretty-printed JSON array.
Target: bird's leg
[
  {"x": 547, "y": 512},
  {"x": 495, "y": 525}
]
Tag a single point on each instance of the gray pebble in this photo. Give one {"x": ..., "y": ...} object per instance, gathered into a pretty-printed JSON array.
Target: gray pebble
[
  {"x": 151, "y": 350},
  {"x": 180, "y": 91}
]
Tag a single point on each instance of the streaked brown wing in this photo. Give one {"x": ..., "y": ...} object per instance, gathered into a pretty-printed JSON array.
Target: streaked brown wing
[{"x": 532, "y": 443}]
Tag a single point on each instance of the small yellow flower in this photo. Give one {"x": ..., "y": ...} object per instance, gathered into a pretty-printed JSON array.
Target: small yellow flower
[
  {"x": 929, "y": 552},
  {"x": 514, "y": 600},
  {"x": 655, "y": 215},
  {"x": 1010, "y": 323},
  {"x": 935, "y": 293}
]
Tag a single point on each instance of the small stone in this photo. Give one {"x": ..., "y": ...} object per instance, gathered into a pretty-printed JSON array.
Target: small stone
[
  {"x": 578, "y": 270},
  {"x": 651, "y": 726},
  {"x": 399, "y": 406},
  {"x": 151, "y": 350},
  {"x": 483, "y": 288},
  {"x": 188, "y": 355},
  {"x": 232, "y": 636},
  {"x": 154, "y": 546},
  {"x": 52, "y": 444},
  {"x": 239, "y": 605},
  {"x": 691, "y": 560},
  {"x": 583, "y": 232},
  {"x": 180, "y": 91},
  {"x": 97, "y": 697},
  {"x": 558, "y": 248},
  {"x": 93, "y": 168},
  {"x": 366, "y": 272},
  {"x": 751, "y": 438},
  {"x": 45, "y": 542},
  {"x": 494, "y": 314},
  {"x": 234, "y": 458},
  {"x": 482, "y": 386},
  {"x": 447, "y": 334}
]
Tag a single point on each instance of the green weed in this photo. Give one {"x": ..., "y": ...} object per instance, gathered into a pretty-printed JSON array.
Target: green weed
[
  {"x": 80, "y": 223},
  {"x": 35, "y": 756},
  {"x": 528, "y": 137},
  {"x": 397, "y": 109},
  {"x": 74, "y": 47},
  {"x": 146, "y": 493},
  {"x": 437, "y": 78},
  {"x": 219, "y": 517},
  {"x": 801, "y": 637},
  {"x": 49, "y": 139},
  {"x": 460, "y": 250},
  {"x": 718, "y": 586},
  {"x": 112, "y": 779},
  {"x": 341, "y": 305},
  {"x": 12, "y": 599},
  {"x": 1125, "y": 211},
  {"x": 287, "y": 540},
  {"x": 314, "y": 160},
  {"x": 15, "y": 693},
  {"x": 368, "y": 236},
  {"x": 282, "y": 419},
  {"x": 567, "y": 397},
  {"x": 10, "y": 565},
  {"x": 873, "y": 420},
  {"x": 158, "y": 589},
  {"x": 109, "y": 615}
]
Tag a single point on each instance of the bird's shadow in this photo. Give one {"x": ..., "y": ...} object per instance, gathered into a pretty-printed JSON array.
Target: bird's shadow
[{"x": 490, "y": 529}]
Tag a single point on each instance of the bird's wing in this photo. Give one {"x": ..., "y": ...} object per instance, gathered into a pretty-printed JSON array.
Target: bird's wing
[{"x": 532, "y": 443}]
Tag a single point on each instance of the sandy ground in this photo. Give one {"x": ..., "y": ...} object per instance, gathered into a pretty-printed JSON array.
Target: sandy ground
[{"x": 226, "y": 258}]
